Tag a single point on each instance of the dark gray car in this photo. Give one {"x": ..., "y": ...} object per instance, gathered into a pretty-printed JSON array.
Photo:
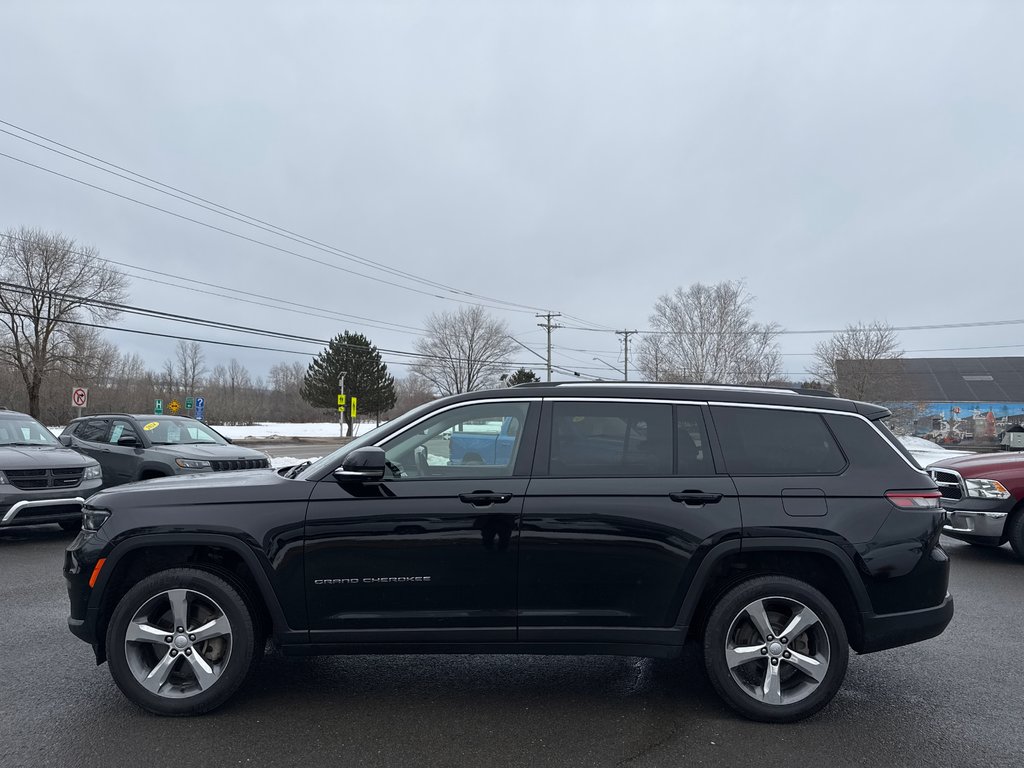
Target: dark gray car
[
  {"x": 139, "y": 447},
  {"x": 40, "y": 480}
]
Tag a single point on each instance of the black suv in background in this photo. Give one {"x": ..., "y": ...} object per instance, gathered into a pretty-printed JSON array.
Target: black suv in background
[
  {"x": 777, "y": 528},
  {"x": 140, "y": 447},
  {"x": 40, "y": 480}
]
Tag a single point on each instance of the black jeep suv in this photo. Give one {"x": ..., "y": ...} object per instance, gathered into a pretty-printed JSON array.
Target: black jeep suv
[{"x": 778, "y": 529}]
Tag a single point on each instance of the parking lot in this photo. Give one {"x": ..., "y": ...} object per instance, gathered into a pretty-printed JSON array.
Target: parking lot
[{"x": 954, "y": 700}]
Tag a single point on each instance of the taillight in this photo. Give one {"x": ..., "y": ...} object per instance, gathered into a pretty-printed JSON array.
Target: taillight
[{"x": 914, "y": 499}]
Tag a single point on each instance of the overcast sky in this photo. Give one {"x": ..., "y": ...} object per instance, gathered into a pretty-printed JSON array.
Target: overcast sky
[{"x": 851, "y": 161}]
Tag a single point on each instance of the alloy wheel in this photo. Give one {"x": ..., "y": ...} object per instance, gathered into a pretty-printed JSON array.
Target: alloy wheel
[
  {"x": 777, "y": 650},
  {"x": 178, "y": 643}
]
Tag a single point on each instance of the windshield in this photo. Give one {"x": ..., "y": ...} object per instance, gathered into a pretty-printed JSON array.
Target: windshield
[
  {"x": 24, "y": 430},
  {"x": 179, "y": 432},
  {"x": 318, "y": 467}
]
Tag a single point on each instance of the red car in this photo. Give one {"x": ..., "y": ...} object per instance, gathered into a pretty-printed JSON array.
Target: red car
[{"x": 984, "y": 497}]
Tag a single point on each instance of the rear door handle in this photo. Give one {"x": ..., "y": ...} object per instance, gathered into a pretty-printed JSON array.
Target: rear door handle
[
  {"x": 484, "y": 498},
  {"x": 696, "y": 498}
]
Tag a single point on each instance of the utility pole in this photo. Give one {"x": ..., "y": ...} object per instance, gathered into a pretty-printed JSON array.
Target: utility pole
[
  {"x": 342, "y": 404},
  {"x": 625, "y": 352},
  {"x": 549, "y": 326}
]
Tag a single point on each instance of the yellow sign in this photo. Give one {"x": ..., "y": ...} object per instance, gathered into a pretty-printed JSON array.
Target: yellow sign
[
  {"x": 341, "y": 409},
  {"x": 174, "y": 406},
  {"x": 353, "y": 408},
  {"x": 341, "y": 400},
  {"x": 151, "y": 426}
]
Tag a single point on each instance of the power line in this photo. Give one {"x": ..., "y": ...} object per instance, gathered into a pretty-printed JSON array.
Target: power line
[
  {"x": 793, "y": 332},
  {"x": 352, "y": 319},
  {"x": 215, "y": 325},
  {"x": 243, "y": 218},
  {"x": 240, "y": 236}
]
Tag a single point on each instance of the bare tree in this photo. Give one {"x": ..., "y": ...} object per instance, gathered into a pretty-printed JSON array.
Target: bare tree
[
  {"x": 411, "y": 391},
  {"x": 463, "y": 351},
  {"x": 706, "y": 334},
  {"x": 859, "y": 352},
  {"x": 49, "y": 285},
  {"x": 284, "y": 398},
  {"x": 189, "y": 366}
]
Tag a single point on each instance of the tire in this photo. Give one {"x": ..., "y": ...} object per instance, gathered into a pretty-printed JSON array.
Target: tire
[
  {"x": 1015, "y": 532},
  {"x": 71, "y": 526},
  {"x": 188, "y": 674},
  {"x": 798, "y": 687}
]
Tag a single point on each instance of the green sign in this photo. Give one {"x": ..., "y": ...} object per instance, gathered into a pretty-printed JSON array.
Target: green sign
[
  {"x": 158, "y": 409},
  {"x": 189, "y": 403}
]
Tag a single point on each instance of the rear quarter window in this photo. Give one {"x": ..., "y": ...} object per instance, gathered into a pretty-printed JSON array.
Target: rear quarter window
[
  {"x": 769, "y": 441},
  {"x": 865, "y": 446}
]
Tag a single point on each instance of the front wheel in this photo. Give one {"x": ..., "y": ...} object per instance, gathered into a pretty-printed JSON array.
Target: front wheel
[
  {"x": 1015, "y": 533},
  {"x": 180, "y": 642},
  {"x": 775, "y": 649}
]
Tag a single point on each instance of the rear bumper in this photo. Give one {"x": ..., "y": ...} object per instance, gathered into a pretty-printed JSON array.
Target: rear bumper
[{"x": 889, "y": 630}]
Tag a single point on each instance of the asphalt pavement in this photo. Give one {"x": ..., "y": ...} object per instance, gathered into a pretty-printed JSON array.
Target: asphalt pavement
[{"x": 952, "y": 701}]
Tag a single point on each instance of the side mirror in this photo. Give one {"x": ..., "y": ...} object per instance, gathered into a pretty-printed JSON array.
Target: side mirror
[
  {"x": 65, "y": 440},
  {"x": 128, "y": 441},
  {"x": 362, "y": 465}
]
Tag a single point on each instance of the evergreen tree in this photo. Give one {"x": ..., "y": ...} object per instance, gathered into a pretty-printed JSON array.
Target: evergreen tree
[
  {"x": 522, "y": 376},
  {"x": 366, "y": 377}
]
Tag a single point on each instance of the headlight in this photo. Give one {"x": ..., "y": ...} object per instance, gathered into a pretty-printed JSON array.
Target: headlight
[
  {"x": 986, "y": 489},
  {"x": 192, "y": 463},
  {"x": 92, "y": 519},
  {"x": 93, "y": 473}
]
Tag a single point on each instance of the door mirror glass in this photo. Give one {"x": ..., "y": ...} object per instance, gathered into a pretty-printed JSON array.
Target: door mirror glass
[{"x": 362, "y": 465}]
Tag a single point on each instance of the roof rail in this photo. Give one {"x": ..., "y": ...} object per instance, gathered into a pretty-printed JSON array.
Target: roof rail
[{"x": 689, "y": 385}]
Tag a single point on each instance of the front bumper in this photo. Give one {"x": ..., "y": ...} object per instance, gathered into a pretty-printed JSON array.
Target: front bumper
[
  {"x": 977, "y": 519},
  {"x": 890, "y": 630},
  {"x": 19, "y": 507},
  {"x": 80, "y": 559}
]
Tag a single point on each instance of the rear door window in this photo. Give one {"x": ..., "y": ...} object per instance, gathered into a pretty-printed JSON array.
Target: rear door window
[
  {"x": 607, "y": 438},
  {"x": 770, "y": 441},
  {"x": 693, "y": 456}
]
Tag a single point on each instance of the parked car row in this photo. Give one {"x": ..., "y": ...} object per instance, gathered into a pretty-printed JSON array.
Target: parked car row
[{"x": 44, "y": 479}]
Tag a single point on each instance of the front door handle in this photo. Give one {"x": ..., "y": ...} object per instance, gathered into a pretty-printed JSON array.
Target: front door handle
[
  {"x": 484, "y": 498},
  {"x": 696, "y": 498}
]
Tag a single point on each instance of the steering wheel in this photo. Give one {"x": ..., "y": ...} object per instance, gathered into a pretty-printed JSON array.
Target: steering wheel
[{"x": 420, "y": 455}]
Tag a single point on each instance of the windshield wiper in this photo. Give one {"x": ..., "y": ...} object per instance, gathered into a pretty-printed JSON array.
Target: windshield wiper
[
  {"x": 294, "y": 471},
  {"x": 21, "y": 443}
]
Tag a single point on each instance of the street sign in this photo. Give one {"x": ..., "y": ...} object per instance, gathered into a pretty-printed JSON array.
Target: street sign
[
  {"x": 341, "y": 400},
  {"x": 174, "y": 406},
  {"x": 79, "y": 397},
  {"x": 200, "y": 408},
  {"x": 189, "y": 402},
  {"x": 158, "y": 408},
  {"x": 353, "y": 407}
]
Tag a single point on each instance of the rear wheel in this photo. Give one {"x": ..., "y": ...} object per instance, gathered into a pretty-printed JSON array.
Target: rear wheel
[
  {"x": 180, "y": 642},
  {"x": 775, "y": 649}
]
